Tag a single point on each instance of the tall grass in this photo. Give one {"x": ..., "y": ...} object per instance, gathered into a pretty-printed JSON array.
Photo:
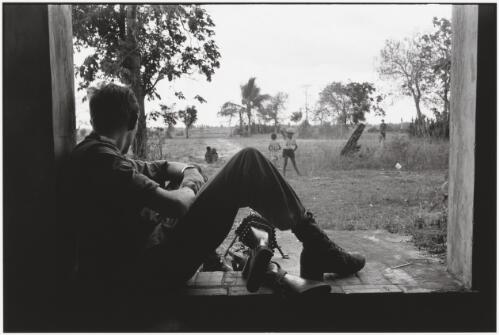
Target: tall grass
[{"x": 315, "y": 156}]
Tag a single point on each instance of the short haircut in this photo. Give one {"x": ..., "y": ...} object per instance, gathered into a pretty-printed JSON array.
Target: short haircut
[
  {"x": 273, "y": 136},
  {"x": 113, "y": 107}
]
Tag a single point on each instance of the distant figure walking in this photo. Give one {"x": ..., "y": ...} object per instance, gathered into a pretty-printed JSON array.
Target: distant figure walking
[
  {"x": 274, "y": 149},
  {"x": 382, "y": 132},
  {"x": 289, "y": 150}
]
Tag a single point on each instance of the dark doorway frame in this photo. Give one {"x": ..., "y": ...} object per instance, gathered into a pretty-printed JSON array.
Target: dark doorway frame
[{"x": 31, "y": 78}]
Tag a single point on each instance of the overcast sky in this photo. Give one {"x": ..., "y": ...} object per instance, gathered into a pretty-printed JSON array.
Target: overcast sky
[{"x": 290, "y": 47}]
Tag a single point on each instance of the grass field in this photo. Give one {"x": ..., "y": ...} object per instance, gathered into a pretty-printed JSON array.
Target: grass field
[{"x": 364, "y": 191}]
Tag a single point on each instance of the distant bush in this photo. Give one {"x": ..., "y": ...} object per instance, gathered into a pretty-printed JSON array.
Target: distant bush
[
  {"x": 436, "y": 127},
  {"x": 390, "y": 127},
  {"x": 336, "y": 131},
  {"x": 326, "y": 130},
  {"x": 305, "y": 130}
]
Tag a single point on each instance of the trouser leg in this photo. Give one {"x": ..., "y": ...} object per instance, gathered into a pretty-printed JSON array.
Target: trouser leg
[
  {"x": 284, "y": 166},
  {"x": 293, "y": 161},
  {"x": 247, "y": 180}
]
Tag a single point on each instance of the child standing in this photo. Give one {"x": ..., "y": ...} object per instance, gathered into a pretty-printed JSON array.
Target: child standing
[
  {"x": 289, "y": 151},
  {"x": 274, "y": 148}
]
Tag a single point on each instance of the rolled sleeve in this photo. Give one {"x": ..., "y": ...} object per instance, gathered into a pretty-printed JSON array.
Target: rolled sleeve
[
  {"x": 156, "y": 170},
  {"x": 123, "y": 177}
]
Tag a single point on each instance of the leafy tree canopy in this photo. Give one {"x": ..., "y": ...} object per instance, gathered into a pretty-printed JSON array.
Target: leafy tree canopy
[
  {"x": 171, "y": 40},
  {"x": 166, "y": 113},
  {"x": 189, "y": 116},
  {"x": 271, "y": 111},
  {"x": 348, "y": 103},
  {"x": 296, "y": 116},
  {"x": 421, "y": 65},
  {"x": 436, "y": 50},
  {"x": 140, "y": 45},
  {"x": 230, "y": 109}
]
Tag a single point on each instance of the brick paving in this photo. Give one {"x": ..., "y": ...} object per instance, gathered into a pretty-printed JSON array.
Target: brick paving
[{"x": 394, "y": 265}]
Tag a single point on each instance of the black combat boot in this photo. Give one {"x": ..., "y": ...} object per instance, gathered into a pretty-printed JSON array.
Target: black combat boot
[{"x": 321, "y": 255}]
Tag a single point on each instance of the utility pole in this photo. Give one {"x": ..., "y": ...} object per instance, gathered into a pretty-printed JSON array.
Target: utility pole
[{"x": 306, "y": 100}]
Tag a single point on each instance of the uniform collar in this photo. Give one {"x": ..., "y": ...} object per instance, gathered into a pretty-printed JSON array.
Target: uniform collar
[{"x": 103, "y": 138}]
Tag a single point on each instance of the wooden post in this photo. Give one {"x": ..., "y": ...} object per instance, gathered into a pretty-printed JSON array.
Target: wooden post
[
  {"x": 39, "y": 129},
  {"x": 62, "y": 78},
  {"x": 351, "y": 146},
  {"x": 462, "y": 141},
  {"x": 484, "y": 259}
]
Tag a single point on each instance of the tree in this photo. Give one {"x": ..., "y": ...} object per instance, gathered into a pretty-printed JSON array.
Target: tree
[
  {"x": 436, "y": 50},
  {"x": 141, "y": 45},
  {"x": 251, "y": 99},
  {"x": 189, "y": 116},
  {"x": 296, "y": 116},
  {"x": 334, "y": 97},
  {"x": 321, "y": 113},
  {"x": 169, "y": 117},
  {"x": 272, "y": 110},
  {"x": 348, "y": 102},
  {"x": 362, "y": 101},
  {"x": 403, "y": 61},
  {"x": 230, "y": 109}
]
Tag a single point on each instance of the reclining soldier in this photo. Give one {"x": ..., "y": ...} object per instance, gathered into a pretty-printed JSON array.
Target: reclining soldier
[{"x": 117, "y": 244}]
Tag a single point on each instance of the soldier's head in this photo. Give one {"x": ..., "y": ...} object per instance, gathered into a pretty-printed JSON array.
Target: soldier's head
[
  {"x": 114, "y": 111},
  {"x": 273, "y": 136},
  {"x": 113, "y": 108}
]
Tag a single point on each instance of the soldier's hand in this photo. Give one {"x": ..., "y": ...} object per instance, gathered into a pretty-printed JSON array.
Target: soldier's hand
[{"x": 193, "y": 179}]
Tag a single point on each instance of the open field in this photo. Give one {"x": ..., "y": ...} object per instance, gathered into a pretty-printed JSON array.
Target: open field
[
  {"x": 317, "y": 155},
  {"x": 361, "y": 192}
]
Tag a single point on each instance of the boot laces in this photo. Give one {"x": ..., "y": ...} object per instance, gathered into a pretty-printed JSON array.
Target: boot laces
[{"x": 322, "y": 237}]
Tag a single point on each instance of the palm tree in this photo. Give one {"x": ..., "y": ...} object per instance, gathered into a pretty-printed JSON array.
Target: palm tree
[{"x": 251, "y": 98}]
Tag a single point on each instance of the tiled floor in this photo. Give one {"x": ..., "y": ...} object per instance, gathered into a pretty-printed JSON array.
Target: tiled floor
[{"x": 394, "y": 265}]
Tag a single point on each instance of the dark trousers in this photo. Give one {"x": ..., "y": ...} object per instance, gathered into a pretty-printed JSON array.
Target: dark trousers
[{"x": 247, "y": 180}]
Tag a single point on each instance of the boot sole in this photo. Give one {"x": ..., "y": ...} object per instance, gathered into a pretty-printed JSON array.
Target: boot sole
[
  {"x": 257, "y": 267},
  {"x": 315, "y": 271}
]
